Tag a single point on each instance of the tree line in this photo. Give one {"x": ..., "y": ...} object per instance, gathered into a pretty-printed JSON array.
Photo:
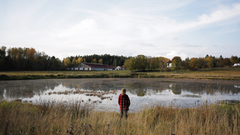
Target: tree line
[
  {"x": 29, "y": 59},
  {"x": 108, "y": 59},
  {"x": 203, "y": 62},
  {"x": 141, "y": 63}
]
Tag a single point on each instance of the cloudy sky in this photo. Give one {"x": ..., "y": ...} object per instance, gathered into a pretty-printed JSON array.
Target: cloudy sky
[{"x": 62, "y": 28}]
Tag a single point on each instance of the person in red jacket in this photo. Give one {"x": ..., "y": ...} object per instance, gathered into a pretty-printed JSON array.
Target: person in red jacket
[{"x": 124, "y": 102}]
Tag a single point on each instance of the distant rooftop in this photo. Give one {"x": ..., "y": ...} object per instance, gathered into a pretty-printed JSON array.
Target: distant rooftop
[{"x": 97, "y": 65}]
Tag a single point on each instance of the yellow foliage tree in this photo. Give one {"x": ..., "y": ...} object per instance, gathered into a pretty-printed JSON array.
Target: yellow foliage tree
[
  {"x": 79, "y": 60},
  {"x": 100, "y": 61},
  {"x": 30, "y": 53},
  {"x": 94, "y": 61},
  {"x": 74, "y": 62},
  {"x": 67, "y": 62},
  {"x": 130, "y": 64},
  {"x": 210, "y": 61}
]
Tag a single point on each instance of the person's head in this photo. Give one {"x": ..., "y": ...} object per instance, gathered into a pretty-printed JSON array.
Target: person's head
[{"x": 123, "y": 91}]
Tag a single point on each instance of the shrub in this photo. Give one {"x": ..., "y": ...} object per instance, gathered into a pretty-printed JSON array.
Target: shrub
[{"x": 168, "y": 69}]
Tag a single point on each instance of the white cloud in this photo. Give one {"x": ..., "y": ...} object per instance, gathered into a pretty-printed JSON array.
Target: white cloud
[
  {"x": 220, "y": 15},
  {"x": 117, "y": 29},
  {"x": 176, "y": 53},
  {"x": 155, "y": 5},
  {"x": 117, "y": 26},
  {"x": 86, "y": 26}
]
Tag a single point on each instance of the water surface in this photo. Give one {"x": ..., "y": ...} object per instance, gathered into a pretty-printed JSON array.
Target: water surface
[{"x": 142, "y": 92}]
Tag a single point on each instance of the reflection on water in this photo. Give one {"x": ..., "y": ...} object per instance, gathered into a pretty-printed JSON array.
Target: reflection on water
[
  {"x": 142, "y": 92},
  {"x": 176, "y": 89}
]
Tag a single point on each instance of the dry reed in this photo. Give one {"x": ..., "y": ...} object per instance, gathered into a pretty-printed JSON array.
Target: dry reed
[{"x": 56, "y": 118}]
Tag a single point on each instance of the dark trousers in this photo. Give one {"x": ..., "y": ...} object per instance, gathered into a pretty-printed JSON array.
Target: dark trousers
[{"x": 125, "y": 114}]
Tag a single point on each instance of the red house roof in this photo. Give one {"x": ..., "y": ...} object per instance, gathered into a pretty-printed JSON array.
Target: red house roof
[{"x": 97, "y": 65}]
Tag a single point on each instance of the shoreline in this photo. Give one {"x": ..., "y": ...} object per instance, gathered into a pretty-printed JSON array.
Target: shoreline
[
  {"x": 204, "y": 74},
  {"x": 171, "y": 76}
]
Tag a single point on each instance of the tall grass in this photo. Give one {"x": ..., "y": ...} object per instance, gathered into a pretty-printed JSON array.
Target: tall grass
[{"x": 56, "y": 118}]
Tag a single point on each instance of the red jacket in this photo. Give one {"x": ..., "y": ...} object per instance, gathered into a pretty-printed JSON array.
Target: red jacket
[{"x": 124, "y": 102}]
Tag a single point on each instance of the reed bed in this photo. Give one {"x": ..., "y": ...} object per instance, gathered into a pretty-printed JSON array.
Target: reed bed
[{"x": 56, "y": 118}]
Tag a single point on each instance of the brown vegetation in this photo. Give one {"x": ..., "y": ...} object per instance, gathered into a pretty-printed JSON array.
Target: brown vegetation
[{"x": 49, "y": 118}]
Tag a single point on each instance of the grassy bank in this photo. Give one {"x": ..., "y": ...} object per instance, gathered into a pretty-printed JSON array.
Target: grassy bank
[
  {"x": 18, "y": 118},
  {"x": 228, "y": 73}
]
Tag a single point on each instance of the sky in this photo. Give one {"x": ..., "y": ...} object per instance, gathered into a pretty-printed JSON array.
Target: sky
[{"x": 167, "y": 28}]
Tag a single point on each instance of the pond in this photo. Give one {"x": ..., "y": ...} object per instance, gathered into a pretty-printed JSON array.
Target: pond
[{"x": 103, "y": 93}]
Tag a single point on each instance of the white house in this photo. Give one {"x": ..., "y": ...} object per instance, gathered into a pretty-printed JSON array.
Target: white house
[
  {"x": 169, "y": 64},
  {"x": 119, "y": 68},
  {"x": 236, "y": 65}
]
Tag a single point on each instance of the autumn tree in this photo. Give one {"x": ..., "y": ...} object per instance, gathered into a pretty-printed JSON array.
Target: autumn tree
[
  {"x": 226, "y": 62},
  {"x": 100, "y": 61},
  {"x": 67, "y": 62},
  {"x": 210, "y": 61},
  {"x": 79, "y": 60},
  {"x": 141, "y": 62},
  {"x": 30, "y": 53},
  {"x": 154, "y": 63},
  {"x": 234, "y": 59},
  {"x": 29, "y": 59},
  {"x": 94, "y": 61},
  {"x": 176, "y": 63},
  {"x": 149, "y": 62},
  {"x": 130, "y": 64},
  {"x": 201, "y": 63},
  {"x": 219, "y": 62},
  {"x": 193, "y": 64},
  {"x": 162, "y": 62},
  {"x": 186, "y": 64},
  {"x": 127, "y": 64},
  {"x": 74, "y": 62}
]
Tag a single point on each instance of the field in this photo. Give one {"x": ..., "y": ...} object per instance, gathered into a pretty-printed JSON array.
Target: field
[
  {"x": 52, "y": 118},
  {"x": 228, "y": 73}
]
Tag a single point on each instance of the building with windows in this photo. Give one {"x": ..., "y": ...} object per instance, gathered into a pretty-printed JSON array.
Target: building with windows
[{"x": 92, "y": 67}]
